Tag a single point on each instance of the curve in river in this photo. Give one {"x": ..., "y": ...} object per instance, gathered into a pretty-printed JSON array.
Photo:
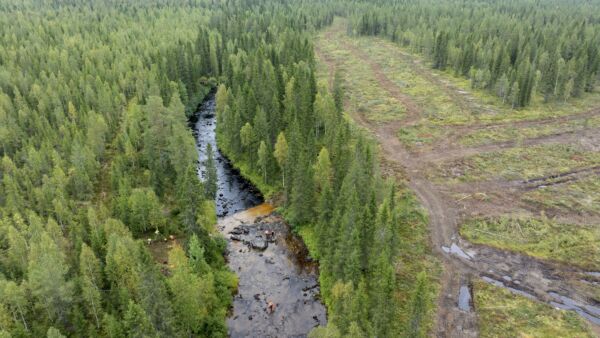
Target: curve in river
[{"x": 276, "y": 269}]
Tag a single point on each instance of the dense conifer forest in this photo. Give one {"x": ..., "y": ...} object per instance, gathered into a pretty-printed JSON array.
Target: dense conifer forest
[
  {"x": 98, "y": 158},
  {"x": 514, "y": 49}
]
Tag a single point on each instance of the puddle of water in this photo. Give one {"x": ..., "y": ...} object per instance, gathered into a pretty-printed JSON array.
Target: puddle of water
[
  {"x": 493, "y": 281},
  {"x": 464, "y": 298},
  {"x": 522, "y": 293},
  {"x": 590, "y": 312},
  {"x": 454, "y": 249}
]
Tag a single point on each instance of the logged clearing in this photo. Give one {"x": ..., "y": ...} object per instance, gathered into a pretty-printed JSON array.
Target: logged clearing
[{"x": 522, "y": 184}]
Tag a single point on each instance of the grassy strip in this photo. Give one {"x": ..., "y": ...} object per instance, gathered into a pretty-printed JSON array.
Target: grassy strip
[
  {"x": 542, "y": 238},
  {"x": 509, "y": 133},
  {"x": 503, "y": 314},
  {"x": 519, "y": 163},
  {"x": 580, "y": 196}
]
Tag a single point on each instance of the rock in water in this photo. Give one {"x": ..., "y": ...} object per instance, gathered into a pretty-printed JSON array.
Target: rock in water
[{"x": 259, "y": 243}]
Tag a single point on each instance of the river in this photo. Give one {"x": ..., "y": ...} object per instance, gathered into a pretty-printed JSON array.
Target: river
[{"x": 273, "y": 270}]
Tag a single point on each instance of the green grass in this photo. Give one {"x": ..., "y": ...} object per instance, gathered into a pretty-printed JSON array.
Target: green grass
[
  {"x": 419, "y": 135},
  {"x": 415, "y": 256},
  {"x": 438, "y": 107},
  {"x": 307, "y": 232},
  {"x": 518, "y": 163},
  {"x": 579, "y": 196},
  {"x": 363, "y": 92},
  {"x": 510, "y": 133},
  {"x": 503, "y": 314},
  {"x": 539, "y": 237}
]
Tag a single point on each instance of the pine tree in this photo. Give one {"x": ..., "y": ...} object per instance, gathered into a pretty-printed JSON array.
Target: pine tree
[
  {"x": 14, "y": 298},
  {"x": 136, "y": 322},
  {"x": 281, "y": 155},
  {"x": 514, "y": 94},
  {"x": 196, "y": 256},
  {"x": 263, "y": 159},
  {"x": 502, "y": 87},
  {"x": 418, "y": 306},
  {"x": 338, "y": 91},
  {"x": 47, "y": 278},
  {"x": 302, "y": 198},
  {"x": 190, "y": 195},
  {"x": 90, "y": 274},
  {"x": 194, "y": 296},
  {"x": 323, "y": 171},
  {"x": 247, "y": 135}
]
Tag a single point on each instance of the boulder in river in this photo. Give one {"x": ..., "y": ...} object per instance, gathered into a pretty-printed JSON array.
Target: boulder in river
[{"x": 259, "y": 243}]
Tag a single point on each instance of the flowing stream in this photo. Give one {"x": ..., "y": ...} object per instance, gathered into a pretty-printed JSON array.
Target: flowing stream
[{"x": 278, "y": 287}]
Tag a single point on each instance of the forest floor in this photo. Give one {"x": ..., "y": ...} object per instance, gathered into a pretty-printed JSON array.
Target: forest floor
[{"x": 512, "y": 195}]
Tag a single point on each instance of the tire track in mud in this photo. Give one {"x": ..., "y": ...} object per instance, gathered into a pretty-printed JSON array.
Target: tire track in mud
[
  {"x": 444, "y": 155},
  {"x": 460, "y": 130},
  {"x": 553, "y": 283},
  {"x": 562, "y": 178},
  {"x": 521, "y": 185}
]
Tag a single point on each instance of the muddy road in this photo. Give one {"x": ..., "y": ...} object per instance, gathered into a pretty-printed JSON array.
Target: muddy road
[{"x": 272, "y": 264}]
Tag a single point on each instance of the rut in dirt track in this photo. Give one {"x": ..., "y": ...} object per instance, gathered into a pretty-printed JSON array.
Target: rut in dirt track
[{"x": 443, "y": 155}]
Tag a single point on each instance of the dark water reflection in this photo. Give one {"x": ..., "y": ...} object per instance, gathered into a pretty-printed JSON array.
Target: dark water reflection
[{"x": 234, "y": 193}]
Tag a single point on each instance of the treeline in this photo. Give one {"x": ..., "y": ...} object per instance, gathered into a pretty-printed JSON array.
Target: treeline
[
  {"x": 288, "y": 132},
  {"x": 96, "y": 153},
  {"x": 515, "y": 49}
]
